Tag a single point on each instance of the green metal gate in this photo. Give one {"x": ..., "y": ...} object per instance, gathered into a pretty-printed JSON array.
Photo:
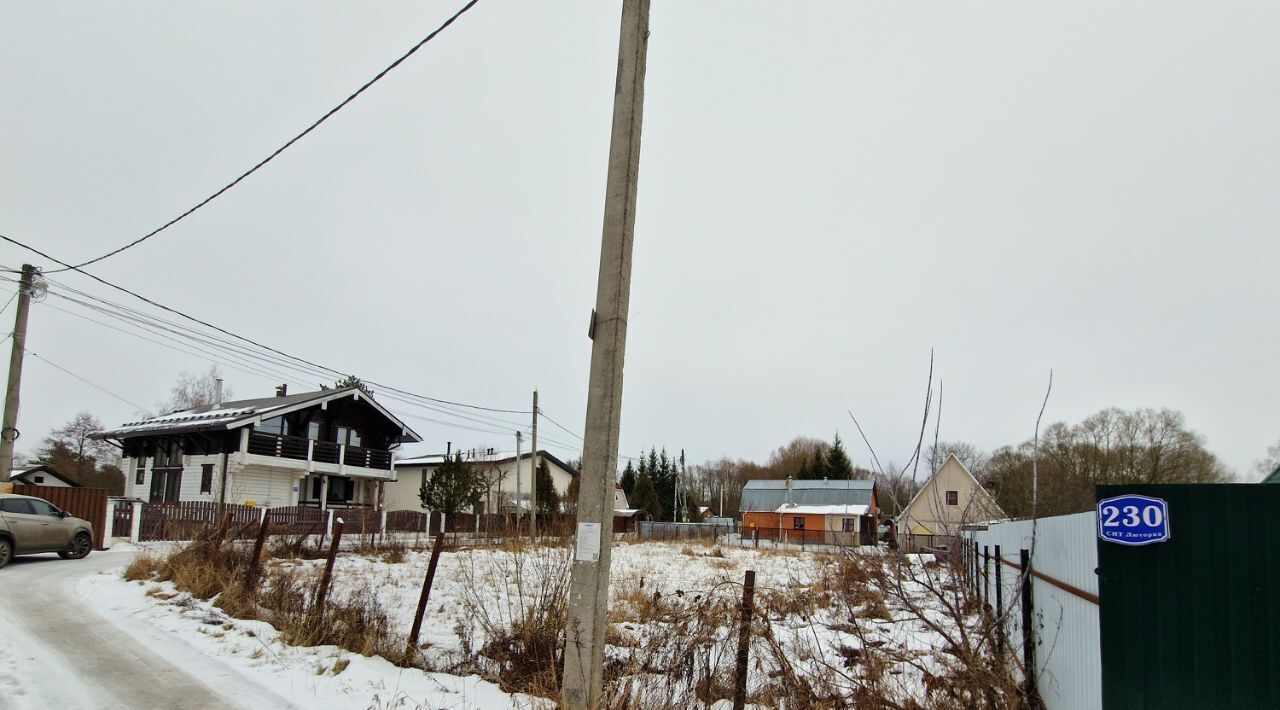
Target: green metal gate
[{"x": 1194, "y": 622}]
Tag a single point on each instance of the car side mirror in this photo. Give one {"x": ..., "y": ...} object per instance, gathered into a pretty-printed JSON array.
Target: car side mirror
[{"x": 63, "y": 514}]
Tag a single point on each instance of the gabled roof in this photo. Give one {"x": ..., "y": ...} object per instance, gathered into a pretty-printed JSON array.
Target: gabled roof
[
  {"x": 233, "y": 415},
  {"x": 769, "y": 495},
  {"x": 977, "y": 486},
  {"x": 24, "y": 476},
  {"x": 1274, "y": 477}
]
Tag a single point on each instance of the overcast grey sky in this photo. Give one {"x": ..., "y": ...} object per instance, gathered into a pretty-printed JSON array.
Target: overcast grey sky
[{"x": 827, "y": 190}]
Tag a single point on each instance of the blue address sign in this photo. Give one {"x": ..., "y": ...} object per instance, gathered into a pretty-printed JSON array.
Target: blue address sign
[{"x": 1133, "y": 520}]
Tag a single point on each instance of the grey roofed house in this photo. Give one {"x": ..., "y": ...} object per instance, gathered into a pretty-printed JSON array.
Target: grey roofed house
[
  {"x": 331, "y": 447},
  {"x": 230, "y": 415},
  {"x": 770, "y": 495}
]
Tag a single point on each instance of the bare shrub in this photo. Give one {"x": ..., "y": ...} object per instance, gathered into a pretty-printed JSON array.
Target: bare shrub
[{"x": 517, "y": 600}]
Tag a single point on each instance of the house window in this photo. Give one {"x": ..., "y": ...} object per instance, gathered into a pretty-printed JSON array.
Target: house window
[
  {"x": 953, "y": 498},
  {"x": 340, "y": 490},
  {"x": 348, "y": 436},
  {"x": 166, "y": 485},
  {"x": 206, "y": 478},
  {"x": 141, "y": 474},
  {"x": 168, "y": 455},
  {"x": 39, "y": 479},
  {"x": 274, "y": 425},
  {"x": 798, "y": 523},
  {"x": 849, "y": 525}
]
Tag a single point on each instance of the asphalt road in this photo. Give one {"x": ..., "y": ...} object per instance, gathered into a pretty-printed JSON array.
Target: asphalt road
[{"x": 56, "y": 651}]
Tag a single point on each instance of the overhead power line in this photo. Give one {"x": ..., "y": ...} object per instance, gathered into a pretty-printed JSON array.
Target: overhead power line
[
  {"x": 277, "y": 151},
  {"x": 562, "y": 427},
  {"x": 332, "y": 372},
  {"x": 55, "y": 365}
]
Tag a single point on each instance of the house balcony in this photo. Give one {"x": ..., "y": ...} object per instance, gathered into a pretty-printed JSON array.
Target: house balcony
[{"x": 295, "y": 452}]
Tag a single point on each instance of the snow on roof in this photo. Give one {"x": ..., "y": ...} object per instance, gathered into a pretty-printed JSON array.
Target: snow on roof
[
  {"x": 429, "y": 460},
  {"x": 245, "y": 411},
  {"x": 849, "y": 510}
]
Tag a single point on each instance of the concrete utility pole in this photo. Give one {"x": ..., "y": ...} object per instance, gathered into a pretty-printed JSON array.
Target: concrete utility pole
[
  {"x": 589, "y": 583},
  {"x": 8, "y": 428},
  {"x": 533, "y": 472},
  {"x": 519, "y": 440}
]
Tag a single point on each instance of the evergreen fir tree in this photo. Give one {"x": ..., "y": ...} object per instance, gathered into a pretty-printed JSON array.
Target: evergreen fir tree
[
  {"x": 646, "y": 498},
  {"x": 548, "y": 501},
  {"x": 805, "y": 471},
  {"x": 629, "y": 479},
  {"x": 452, "y": 487},
  {"x": 838, "y": 464},
  {"x": 664, "y": 484}
]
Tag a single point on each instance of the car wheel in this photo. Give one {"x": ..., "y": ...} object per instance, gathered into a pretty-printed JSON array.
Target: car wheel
[
  {"x": 6, "y": 552},
  {"x": 78, "y": 548}
]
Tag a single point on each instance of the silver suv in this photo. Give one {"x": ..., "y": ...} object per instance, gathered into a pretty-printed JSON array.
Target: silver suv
[{"x": 30, "y": 525}]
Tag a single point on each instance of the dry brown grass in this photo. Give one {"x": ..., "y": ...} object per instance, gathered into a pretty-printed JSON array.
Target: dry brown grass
[{"x": 213, "y": 568}]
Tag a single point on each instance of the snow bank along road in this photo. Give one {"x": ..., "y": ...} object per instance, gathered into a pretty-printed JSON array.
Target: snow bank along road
[{"x": 56, "y": 651}]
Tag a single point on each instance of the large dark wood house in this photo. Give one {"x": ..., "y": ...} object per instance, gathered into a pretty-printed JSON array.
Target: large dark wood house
[{"x": 331, "y": 448}]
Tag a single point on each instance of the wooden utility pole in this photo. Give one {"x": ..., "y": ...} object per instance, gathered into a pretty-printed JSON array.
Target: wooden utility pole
[
  {"x": 8, "y": 428},
  {"x": 533, "y": 472},
  {"x": 589, "y": 583}
]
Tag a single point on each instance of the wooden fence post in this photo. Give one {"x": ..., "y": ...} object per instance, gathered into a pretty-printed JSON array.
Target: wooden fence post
[
  {"x": 744, "y": 640},
  {"x": 323, "y": 591},
  {"x": 251, "y": 577},
  {"x": 426, "y": 593}
]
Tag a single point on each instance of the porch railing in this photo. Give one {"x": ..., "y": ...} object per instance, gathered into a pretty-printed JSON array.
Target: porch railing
[{"x": 296, "y": 447}]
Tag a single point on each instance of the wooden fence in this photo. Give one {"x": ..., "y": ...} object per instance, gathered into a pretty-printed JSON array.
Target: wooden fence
[
  {"x": 180, "y": 521},
  {"x": 88, "y": 504},
  {"x": 297, "y": 520}
]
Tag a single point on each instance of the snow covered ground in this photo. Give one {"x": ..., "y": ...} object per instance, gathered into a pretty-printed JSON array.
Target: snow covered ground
[
  {"x": 476, "y": 589},
  {"x": 201, "y": 639}
]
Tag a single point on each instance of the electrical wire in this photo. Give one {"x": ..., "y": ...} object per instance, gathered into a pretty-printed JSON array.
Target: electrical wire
[
  {"x": 55, "y": 365},
  {"x": 567, "y": 431},
  {"x": 255, "y": 343},
  {"x": 5, "y": 307},
  {"x": 279, "y": 150},
  {"x": 238, "y": 359}
]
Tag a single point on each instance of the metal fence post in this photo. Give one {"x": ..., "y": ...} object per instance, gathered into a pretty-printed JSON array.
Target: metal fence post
[
  {"x": 1030, "y": 671},
  {"x": 999, "y": 602},
  {"x": 986, "y": 576},
  {"x": 744, "y": 641}
]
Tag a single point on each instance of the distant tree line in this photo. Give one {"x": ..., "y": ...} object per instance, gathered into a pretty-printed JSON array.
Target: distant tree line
[{"x": 1114, "y": 446}]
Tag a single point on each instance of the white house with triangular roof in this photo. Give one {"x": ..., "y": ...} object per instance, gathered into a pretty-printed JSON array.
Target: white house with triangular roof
[{"x": 950, "y": 498}]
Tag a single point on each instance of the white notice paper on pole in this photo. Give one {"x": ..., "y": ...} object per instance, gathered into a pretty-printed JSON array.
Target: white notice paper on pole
[{"x": 588, "y": 542}]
